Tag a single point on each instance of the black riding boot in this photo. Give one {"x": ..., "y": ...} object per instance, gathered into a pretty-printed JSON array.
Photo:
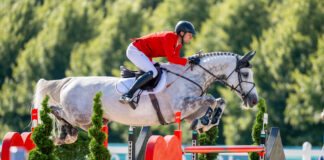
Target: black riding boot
[{"x": 141, "y": 81}]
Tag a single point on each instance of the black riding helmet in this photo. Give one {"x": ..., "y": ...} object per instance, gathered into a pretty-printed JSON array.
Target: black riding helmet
[{"x": 184, "y": 26}]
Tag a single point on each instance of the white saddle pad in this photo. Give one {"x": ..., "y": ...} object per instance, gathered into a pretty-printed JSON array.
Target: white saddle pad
[{"x": 123, "y": 85}]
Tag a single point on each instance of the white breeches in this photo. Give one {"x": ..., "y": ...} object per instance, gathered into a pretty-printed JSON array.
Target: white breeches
[{"x": 140, "y": 60}]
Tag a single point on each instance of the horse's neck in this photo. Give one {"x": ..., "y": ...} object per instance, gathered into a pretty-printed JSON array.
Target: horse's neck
[{"x": 218, "y": 64}]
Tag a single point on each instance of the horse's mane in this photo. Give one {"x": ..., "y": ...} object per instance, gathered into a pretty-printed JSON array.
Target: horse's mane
[
  {"x": 180, "y": 68},
  {"x": 215, "y": 54}
]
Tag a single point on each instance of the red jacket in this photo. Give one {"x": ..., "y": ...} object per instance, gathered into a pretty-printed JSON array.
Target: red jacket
[{"x": 160, "y": 44}]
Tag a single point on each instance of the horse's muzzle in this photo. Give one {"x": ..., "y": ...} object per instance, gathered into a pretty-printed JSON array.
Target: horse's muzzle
[{"x": 251, "y": 100}]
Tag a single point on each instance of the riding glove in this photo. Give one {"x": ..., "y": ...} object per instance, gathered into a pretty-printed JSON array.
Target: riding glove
[{"x": 194, "y": 60}]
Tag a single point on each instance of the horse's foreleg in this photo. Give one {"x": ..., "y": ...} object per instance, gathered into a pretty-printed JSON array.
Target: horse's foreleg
[
  {"x": 193, "y": 107},
  {"x": 207, "y": 116},
  {"x": 218, "y": 112},
  {"x": 201, "y": 112}
]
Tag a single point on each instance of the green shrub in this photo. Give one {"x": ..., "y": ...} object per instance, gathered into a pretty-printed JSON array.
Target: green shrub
[
  {"x": 257, "y": 127},
  {"x": 44, "y": 145},
  {"x": 97, "y": 150},
  {"x": 208, "y": 138}
]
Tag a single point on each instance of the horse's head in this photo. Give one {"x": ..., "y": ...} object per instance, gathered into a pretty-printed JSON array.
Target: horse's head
[
  {"x": 231, "y": 69},
  {"x": 241, "y": 80}
]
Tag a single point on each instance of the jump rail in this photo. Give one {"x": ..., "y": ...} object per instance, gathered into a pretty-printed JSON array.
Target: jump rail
[{"x": 169, "y": 147}]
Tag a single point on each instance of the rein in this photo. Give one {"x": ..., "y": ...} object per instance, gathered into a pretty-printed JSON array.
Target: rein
[
  {"x": 181, "y": 75},
  {"x": 237, "y": 69},
  {"x": 167, "y": 86}
]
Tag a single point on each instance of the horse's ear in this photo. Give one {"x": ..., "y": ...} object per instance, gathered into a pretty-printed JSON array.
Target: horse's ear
[{"x": 248, "y": 56}]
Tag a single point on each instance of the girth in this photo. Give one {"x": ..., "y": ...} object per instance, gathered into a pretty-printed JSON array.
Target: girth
[{"x": 156, "y": 106}]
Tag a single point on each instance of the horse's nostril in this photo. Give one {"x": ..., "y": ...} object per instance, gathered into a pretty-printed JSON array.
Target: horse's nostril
[{"x": 254, "y": 101}]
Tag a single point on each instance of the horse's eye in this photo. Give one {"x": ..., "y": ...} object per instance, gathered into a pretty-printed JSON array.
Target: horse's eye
[{"x": 245, "y": 75}]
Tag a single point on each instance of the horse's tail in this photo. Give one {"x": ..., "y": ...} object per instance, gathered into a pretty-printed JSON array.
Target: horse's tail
[
  {"x": 51, "y": 88},
  {"x": 38, "y": 96}
]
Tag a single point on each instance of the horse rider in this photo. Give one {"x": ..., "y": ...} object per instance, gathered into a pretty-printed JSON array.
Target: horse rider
[{"x": 160, "y": 44}]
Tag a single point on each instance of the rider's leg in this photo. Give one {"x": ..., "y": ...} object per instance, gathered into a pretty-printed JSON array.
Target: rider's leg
[
  {"x": 142, "y": 80},
  {"x": 142, "y": 62}
]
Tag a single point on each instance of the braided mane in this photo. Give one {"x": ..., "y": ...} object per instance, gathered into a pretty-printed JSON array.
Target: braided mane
[{"x": 215, "y": 54}]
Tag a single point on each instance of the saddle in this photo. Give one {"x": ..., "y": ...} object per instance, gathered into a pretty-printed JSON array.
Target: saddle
[
  {"x": 154, "y": 83},
  {"x": 126, "y": 73}
]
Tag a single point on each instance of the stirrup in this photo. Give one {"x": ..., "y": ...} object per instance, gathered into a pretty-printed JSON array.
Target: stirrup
[
  {"x": 133, "y": 102},
  {"x": 133, "y": 105},
  {"x": 124, "y": 99}
]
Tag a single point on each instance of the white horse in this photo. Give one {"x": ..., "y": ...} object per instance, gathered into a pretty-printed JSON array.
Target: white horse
[{"x": 71, "y": 98}]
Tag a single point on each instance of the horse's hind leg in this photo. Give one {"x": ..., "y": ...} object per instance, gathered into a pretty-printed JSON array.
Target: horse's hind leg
[
  {"x": 67, "y": 134},
  {"x": 87, "y": 126}
]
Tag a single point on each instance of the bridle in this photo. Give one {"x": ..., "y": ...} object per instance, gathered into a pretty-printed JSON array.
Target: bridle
[
  {"x": 239, "y": 75},
  {"x": 237, "y": 69}
]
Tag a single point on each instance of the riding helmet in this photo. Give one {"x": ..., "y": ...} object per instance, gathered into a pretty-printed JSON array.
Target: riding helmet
[{"x": 184, "y": 26}]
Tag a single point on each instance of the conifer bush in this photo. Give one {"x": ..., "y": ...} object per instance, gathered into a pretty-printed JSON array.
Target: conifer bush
[
  {"x": 44, "y": 145},
  {"x": 257, "y": 127},
  {"x": 208, "y": 138},
  {"x": 97, "y": 150}
]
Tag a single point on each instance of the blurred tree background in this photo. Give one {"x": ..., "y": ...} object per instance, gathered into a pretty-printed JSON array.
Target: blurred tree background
[{"x": 55, "y": 39}]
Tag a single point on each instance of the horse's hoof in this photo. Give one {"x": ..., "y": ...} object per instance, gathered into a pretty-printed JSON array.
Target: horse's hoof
[
  {"x": 220, "y": 101},
  {"x": 214, "y": 120},
  {"x": 58, "y": 142},
  {"x": 217, "y": 114},
  {"x": 74, "y": 132},
  {"x": 200, "y": 130},
  {"x": 194, "y": 124},
  {"x": 204, "y": 120}
]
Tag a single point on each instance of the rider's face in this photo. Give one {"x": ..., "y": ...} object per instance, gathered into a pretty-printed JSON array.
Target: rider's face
[{"x": 187, "y": 37}]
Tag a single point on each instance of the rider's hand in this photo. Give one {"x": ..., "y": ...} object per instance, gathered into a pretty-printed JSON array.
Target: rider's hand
[{"x": 194, "y": 60}]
